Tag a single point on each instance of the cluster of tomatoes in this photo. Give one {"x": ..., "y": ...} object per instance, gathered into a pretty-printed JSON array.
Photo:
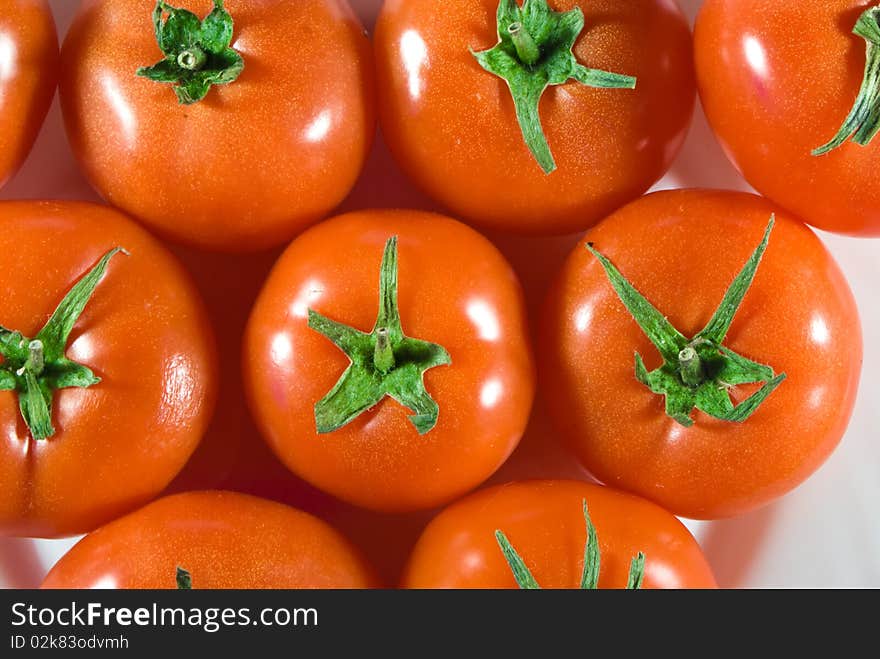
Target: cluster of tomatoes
[{"x": 698, "y": 353}]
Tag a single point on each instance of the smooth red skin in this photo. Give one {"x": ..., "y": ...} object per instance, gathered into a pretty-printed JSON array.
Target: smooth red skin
[
  {"x": 29, "y": 65},
  {"x": 253, "y": 163},
  {"x": 544, "y": 522},
  {"x": 453, "y": 129},
  {"x": 770, "y": 111},
  {"x": 224, "y": 540},
  {"x": 144, "y": 332},
  {"x": 455, "y": 290},
  {"x": 682, "y": 250}
]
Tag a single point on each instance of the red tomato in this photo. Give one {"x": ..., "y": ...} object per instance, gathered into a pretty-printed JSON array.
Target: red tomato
[
  {"x": 223, "y": 540},
  {"x": 254, "y": 162},
  {"x": 461, "y": 303},
  {"x": 681, "y": 250},
  {"x": 544, "y": 522},
  {"x": 143, "y": 332},
  {"x": 453, "y": 127},
  {"x": 28, "y": 75},
  {"x": 777, "y": 79}
]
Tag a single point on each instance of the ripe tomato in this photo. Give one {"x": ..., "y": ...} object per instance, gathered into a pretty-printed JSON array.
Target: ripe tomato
[
  {"x": 115, "y": 443},
  {"x": 254, "y": 162},
  {"x": 28, "y": 75},
  {"x": 222, "y": 540},
  {"x": 777, "y": 80},
  {"x": 681, "y": 250},
  {"x": 465, "y": 372},
  {"x": 453, "y": 126},
  {"x": 544, "y": 522}
]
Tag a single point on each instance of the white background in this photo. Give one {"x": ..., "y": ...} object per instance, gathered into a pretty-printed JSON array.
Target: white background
[{"x": 824, "y": 534}]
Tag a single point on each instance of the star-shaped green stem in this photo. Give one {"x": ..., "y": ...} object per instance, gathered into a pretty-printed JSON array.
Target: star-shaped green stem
[
  {"x": 197, "y": 53},
  {"x": 592, "y": 560},
  {"x": 698, "y": 372},
  {"x": 35, "y": 368},
  {"x": 384, "y": 362},
  {"x": 534, "y": 51},
  {"x": 863, "y": 122}
]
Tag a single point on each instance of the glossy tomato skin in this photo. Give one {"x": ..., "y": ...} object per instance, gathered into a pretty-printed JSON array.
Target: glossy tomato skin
[
  {"x": 682, "y": 250},
  {"x": 544, "y": 522},
  {"x": 253, "y": 163},
  {"x": 144, "y": 333},
  {"x": 452, "y": 127},
  {"x": 456, "y": 290},
  {"x": 29, "y": 64},
  {"x": 223, "y": 539},
  {"x": 777, "y": 79}
]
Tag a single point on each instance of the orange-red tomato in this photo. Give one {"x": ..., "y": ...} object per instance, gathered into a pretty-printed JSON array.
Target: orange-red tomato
[
  {"x": 777, "y": 79},
  {"x": 144, "y": 332},
  {"x": 455, "y": 290},
  {"x": 544, "y": 522},
  {"x": 682, "y": 250},
  {"x": 254, "y": 162},
  {"x": 223, "y": 540},
  {"x": 453, "y": 128},
  {"x": 28, "y": 75}
]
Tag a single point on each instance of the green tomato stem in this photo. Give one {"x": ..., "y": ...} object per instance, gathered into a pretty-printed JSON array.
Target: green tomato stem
[
  {"x": 691, "y": 367},
  {"x": 192, "y": 59},
  {"x": 526, "y": 48}
]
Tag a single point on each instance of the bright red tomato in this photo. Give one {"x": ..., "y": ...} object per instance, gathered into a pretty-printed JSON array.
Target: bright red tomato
[
  {"x": 544, "y": 523},
  {"x": 28, "y": 75},
  {"x": 129, "y": 384},
  {"x": 682, "y": 250},
  {"x": 453, "y": 126},
  {"x": 421, "y": 420},
  {"x": 777, "y": 80},
  {"x": 254, "y": 162},
  {"x": 222, "y": 540}
]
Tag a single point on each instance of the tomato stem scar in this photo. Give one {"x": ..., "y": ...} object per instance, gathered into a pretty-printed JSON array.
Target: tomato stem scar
[
  {"x": 698, "y": 373},
  {"x": 192, "y": 59},
  {"x": 384, "y": 362}
]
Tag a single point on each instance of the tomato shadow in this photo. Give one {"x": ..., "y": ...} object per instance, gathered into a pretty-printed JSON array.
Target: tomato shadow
[
  {"x": 20, "y": 566},
  {"x": 733, "y": 546}
]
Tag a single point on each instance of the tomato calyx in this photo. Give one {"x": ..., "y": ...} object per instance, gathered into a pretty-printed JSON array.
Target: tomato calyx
[
  {"x": 863, "y": 122},
  {"x": 184, "y": 579},
  {"x": 592, "y": 562},
  {"x": 698, "y": 372},
  {"x": 534, "y": 51},
  {"x": 35, "y": 368},
  {"x": 197, "y": 53},
  {"x": 384, "y": 362}
]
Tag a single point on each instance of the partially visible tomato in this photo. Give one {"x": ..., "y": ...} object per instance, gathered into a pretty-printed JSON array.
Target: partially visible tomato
[
  {"x": 255, "y": 161},
  {"x": 28, "y": 75},
  {"x": 682, "y": 250},
  {"x": 143, "y": 335},
  {"x": 222, "y": 540},
  {"x": 453, "y": 126},
  {"x": 459, "y": 388},
  {"x": 777, "y": 80},
  {"x": 544, "y": 522}
]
